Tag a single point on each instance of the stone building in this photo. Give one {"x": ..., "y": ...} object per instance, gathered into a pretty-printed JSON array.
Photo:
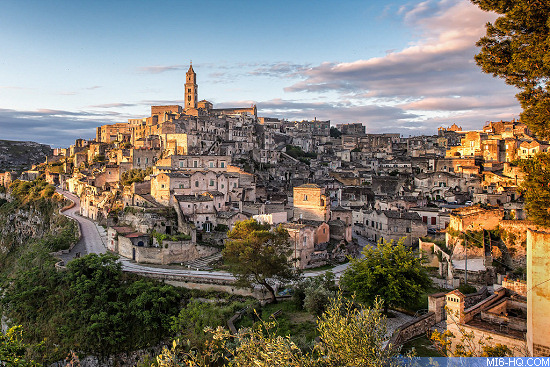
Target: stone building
[
  {"x": 202, "y": 209},
  {"x": 499, "y": 318},
  {"x": 352, "y": 129},
  {"x": 310, "y": 203},
  {"x": 393, "y": 225},
  {"x": 302, "y": 239}
]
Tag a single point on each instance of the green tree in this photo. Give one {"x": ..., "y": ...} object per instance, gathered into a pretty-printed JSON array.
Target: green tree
[
  {"x": 258, "y": 255},
  {"x": 314, "y": 293},
  {"x": 97, "y": 322},
  {"x": 350, "y": 336},
  {"x": 389, "y": 271},
  {"x": 516, "y": 48},
  {"x": 355, "y": 336},
  {"x": 536, "y": 187},
  {"x": 334, "y": 132}
]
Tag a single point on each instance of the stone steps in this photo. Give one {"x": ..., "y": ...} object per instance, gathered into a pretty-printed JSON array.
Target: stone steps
[{"x": 203, "y": 263}]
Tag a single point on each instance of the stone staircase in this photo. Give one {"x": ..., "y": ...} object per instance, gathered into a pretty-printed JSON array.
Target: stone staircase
[{"x": 203, "y": 263}]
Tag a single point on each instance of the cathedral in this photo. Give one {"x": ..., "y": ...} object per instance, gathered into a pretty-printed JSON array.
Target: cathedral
[{"x": 194, "y": 107}]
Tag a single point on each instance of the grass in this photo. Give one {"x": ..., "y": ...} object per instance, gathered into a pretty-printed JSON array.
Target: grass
[
  {"x": 422, "y": 346},
  {"x": 299, "y": 324},
  {"x": 422, "y": 303}
]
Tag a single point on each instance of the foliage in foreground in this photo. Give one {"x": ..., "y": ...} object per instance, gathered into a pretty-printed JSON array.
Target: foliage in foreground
[
  {"x": 536, "y": 187},
  {"x": 13, "y": 349},
  {"x": 389, "y": 271},
  {"x": 350, "y": 336},
  {"x": 92, "y": 307},
  {"x": 515, "y": 48}
]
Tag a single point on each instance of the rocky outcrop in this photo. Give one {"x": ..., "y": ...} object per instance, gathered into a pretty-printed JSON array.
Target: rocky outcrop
[{"x": 20, "y": 155}]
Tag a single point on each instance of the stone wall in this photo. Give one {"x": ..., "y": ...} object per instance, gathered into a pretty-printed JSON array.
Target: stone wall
[
  {"x": 518, "y": 286},
  {"x": 169, "y": 252},
  {"x": 420, "y": 325},
  {"x": 538, "y": 296},
  {"x": 517, "y": 346},
  {"x": 436, "y": 304}
]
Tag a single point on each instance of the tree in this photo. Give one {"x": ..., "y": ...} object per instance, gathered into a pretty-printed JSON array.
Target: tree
[
  {"x": 516, "y": 48},
  {"x": 536, "y": 188},
  {"x": 257, "y": 255},
  {"x": 391, "y": 272},
  {"x": 334, "y": 132},
  {"x": 355, "y": 336},
  {"x": 314, "y": 293},
  {"x": 350, "y": 336}
]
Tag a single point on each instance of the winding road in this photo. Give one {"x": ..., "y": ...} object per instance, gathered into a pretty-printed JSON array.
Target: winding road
[{"x": 94, "y": 237}]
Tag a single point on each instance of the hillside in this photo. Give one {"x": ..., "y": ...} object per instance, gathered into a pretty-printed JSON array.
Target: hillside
[{"x": 18, "y": 155}]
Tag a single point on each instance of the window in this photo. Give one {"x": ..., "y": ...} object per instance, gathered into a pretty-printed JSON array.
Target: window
[
  {"x": 162, "y": 186},
  {"x": 181, "y": 164},
  {"x": 433, "y": 221},
  {"x": 223, "y": 186},
  {"x": 234, "y": 184},
  {"x": 181, "y": 186},
  {"x": 408, "y": 230},
  {"x": 222, "y": 164},
  {"x": 196, "y": 183},
  {"x": 305, "y": 197},
  {"x": 195, "y": 164},
  {"x": 211, "y": 182},
  {"x": 211, "y": 164}
]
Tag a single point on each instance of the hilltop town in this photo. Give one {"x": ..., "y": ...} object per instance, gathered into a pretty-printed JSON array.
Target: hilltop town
[{"x": 167, "y": 188}]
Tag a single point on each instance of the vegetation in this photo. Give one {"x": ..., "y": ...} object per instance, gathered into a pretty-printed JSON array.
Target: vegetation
[
  {"x": 27, "y": 191},
  {"x": 13, "y": 349},
  {"x": 515, "y": 48},
  {"x": 135, "y": 175},
  {"x": 389, "y": 271},
  {"x": 160, "y": 237},
  {"x": 351, "y": 336},
  {"x": 191, "y": 321},
  {"x": 257, "y": 255},
  {"x": 297, "y": 153},
  {"x": 314, "y": 294},
  {"x": 92, "y": 307},
  {"x": 334, "y": 132},
  {"x": 536, "y": 188},
  {"x": 467, "y": 289},
  {"x": 467, "y": 346}
]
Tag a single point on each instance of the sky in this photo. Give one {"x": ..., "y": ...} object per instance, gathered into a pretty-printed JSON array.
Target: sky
[{"x": 399, "y": 66}]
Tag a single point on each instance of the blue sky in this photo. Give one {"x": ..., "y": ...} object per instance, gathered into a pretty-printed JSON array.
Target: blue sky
[{"x": 397, "y": 66}]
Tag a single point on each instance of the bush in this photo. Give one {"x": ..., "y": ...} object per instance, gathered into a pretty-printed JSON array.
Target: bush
[{"x": 467, "y": 289}]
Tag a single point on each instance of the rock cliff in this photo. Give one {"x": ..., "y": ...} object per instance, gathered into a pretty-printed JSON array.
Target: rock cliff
[{"x": 19, "y": 155}]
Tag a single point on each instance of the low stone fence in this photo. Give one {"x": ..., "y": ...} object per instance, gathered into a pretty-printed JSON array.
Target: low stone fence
[{"x": 420, "y": 325}]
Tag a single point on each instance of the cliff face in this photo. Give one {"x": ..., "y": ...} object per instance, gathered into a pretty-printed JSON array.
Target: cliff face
[{"x": 16, "y": 155}]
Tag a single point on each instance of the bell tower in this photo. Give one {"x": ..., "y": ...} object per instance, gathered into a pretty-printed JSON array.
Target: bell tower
[{"x": 191, "y": 88}]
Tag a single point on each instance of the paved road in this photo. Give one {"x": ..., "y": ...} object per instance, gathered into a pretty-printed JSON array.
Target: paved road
[
  {"x": 90, "y": 241},
  {"x": 94, "y": 237}
]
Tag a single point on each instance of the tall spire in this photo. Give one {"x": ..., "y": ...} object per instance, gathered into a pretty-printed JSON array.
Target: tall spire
[{"x": 191, "y": 88}]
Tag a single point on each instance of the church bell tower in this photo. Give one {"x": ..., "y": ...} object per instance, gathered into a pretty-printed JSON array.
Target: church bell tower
[{"x": 191, "y": 88}]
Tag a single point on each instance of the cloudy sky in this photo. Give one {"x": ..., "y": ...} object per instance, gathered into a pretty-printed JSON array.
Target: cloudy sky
[{"x": 396, "y": 66}]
